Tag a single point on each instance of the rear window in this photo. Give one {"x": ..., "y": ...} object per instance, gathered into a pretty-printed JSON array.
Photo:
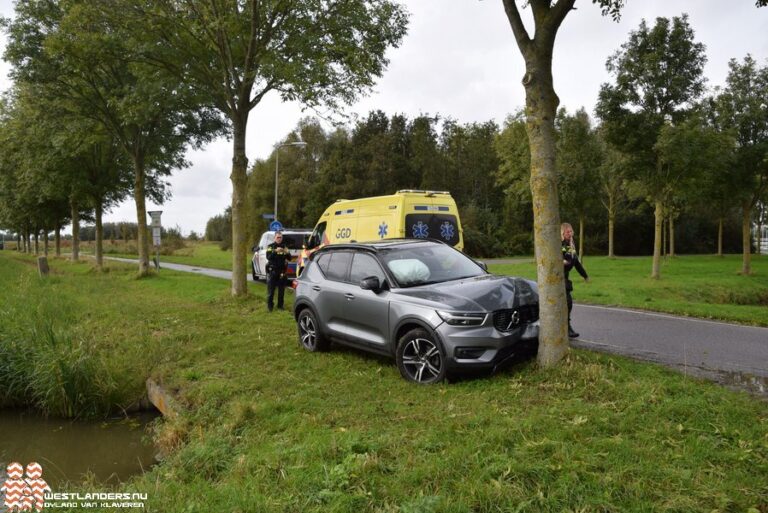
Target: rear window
[
  {"x": 335, "y": 265},
  {"x": 433, "y": 226},
  {"x": 293, "y": 240}
]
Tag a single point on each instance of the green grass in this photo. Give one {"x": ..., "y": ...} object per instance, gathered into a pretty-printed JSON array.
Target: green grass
[
  {"x": 698, "y": 286},
  {"x": 202, "y": 254},
  {"x": 269, "y": 427}
]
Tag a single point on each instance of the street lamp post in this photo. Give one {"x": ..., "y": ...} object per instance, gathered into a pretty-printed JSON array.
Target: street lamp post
[{"x": 277, "y": 165}]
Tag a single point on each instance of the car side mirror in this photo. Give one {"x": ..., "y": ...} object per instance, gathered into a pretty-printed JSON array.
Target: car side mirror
[
  {"x": 371, "y": 283},
  {"x": 482, "y": 265}
]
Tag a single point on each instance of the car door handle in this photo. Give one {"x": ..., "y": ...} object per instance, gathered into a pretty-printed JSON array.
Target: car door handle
[
  {"x": 316, "y": 288},
  {"x": 349, "y": 296}
]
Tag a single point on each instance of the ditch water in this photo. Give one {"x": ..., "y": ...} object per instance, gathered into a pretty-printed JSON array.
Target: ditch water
[{"x": 111, "y": 451}]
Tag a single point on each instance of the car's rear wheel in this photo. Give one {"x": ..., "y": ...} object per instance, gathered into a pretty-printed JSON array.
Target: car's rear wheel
[
  {"x": 253, "y": 272},
  {"x": 420, "y": 357},
  {"x": 310, "y": 336}
]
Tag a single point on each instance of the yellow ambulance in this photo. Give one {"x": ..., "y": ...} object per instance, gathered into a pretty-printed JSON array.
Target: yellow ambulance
[{"x": 405, "y": 214}]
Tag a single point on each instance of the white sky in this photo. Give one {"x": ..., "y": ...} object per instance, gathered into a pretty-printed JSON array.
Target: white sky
[{"x": 459, "y": 60}]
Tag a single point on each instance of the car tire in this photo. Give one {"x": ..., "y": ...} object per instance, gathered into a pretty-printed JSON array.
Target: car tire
[
  {"x": 310, "y": 337},
  {"x": 421, "y": 358},
  {"x": 253, "y": 272}
]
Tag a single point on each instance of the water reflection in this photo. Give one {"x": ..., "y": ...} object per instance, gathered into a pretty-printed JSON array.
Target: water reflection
[{"x": 112, "y": 451}]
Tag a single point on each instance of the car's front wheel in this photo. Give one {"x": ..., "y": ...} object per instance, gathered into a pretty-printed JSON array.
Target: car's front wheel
[
  {"x": 310, "y": 337},
  {"x": 420, "y": 357}
]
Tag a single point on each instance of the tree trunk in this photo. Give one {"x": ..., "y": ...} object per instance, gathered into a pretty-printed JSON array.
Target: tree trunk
[
  {"x": 45, "y": 242},
  {"x": 720, "y": 237},
  {"x": 29, "y": 242},
  {"x": 75, "y": 231},
  {"x": 99, "y": 236},
  {"x": 581, "y": 237},
  {"x": 57, "y": 240},
  {"x": 746, "y": 239},
  {"x": 759, "y": 236},
  {"x": 611, "y": 223},
  {"x": 541, "y": 104},
  {"x": 19, "y": 246},
  {"x": 141, "y": 214},
  {"x": 37, "y": 246},
  {"x": 239, "y": 179},
  {"x": 658, "y": 223},
  {"x": 671, "y": 236}
]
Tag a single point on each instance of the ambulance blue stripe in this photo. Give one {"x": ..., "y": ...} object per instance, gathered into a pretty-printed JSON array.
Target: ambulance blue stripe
[
  {"x": 443, "y": 209},
  {"x": 421, "y": 207}
]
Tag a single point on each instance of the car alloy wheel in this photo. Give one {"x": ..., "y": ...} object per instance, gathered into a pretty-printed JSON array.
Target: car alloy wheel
[
  {"x": 310, "y": 337},
  {"x": 420, "y": 357}
]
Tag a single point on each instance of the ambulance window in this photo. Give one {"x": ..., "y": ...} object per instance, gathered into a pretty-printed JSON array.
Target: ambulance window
[
  {"x": 317, "y": 235},
  {"x": 432, "y": 226}
]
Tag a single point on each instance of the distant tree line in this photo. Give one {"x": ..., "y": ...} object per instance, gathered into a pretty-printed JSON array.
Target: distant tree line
[{"x": 486, "y": 169}]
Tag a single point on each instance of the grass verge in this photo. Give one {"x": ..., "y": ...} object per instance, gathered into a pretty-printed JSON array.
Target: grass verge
[
  {"x": 697, "y": 286},
  {"x": 269, "y": 427}
]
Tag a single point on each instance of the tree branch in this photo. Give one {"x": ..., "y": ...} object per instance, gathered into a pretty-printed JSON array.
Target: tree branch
[{"x": 518, "y": 29}]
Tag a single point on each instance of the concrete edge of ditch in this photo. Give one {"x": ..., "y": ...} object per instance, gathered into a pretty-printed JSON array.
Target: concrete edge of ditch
[{"x": 161, "y": 399}]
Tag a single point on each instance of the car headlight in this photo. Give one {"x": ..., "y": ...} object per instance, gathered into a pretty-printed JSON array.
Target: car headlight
[{"x": 462, "y": 318}]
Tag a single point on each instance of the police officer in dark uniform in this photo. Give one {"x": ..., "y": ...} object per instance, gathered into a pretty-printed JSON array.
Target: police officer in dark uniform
[
  {"x": 278, "y": 256},
  {"x": 570, "y": 260}
]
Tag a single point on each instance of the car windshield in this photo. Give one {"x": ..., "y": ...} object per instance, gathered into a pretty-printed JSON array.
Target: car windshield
[{"x": 417, "y": 265}]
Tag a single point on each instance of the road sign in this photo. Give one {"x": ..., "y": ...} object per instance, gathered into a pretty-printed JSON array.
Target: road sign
[
  {"x": 275, "y": 226},
  {"x": 156, "y": 230},
  {"x": 155, "y": 215}
]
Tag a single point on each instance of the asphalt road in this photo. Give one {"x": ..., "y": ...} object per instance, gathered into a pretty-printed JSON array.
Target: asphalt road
[{"x": 728, "y": 353}]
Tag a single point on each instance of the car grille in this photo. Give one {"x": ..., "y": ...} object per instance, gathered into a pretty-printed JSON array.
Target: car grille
[{"x": 502, "y": 319}]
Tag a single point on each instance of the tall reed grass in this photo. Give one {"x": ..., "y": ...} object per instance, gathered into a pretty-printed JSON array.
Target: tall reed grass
[{"x": 46, "y": 364}]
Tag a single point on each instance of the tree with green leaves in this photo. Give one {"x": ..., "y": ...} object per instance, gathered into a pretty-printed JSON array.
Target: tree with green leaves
[
  {"x": 83, "y": 55},
  {"x": 659, "y": 75},
  {"x": 234, "y": 53},
  {"x": 579, "y": 155},
  {"x": 741, "y": 109},
  {"x": 541, "y": 104},
  {"x": 611, "y": 179}
]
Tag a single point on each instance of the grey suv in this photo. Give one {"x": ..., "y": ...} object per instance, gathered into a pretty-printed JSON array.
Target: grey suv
[{"x": 430, "y": 306}]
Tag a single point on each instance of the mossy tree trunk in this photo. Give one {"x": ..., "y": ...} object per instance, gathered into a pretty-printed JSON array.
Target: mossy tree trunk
[
  {"x": 746, "y": 238},
  {"x": 611, "y": 224},
  {"x": 239, "y": 179},
  {"x": 671, "y": 235},
  {"x": 57, "y": 239},
  {"x": 99, "y": 236},
  {"x": 657, "y": 228},
  {"x": 720, "y": 237},
  {"x": 75, "y": 230},
  {"x": 141, "y": 212},
  {"x": 540, "y": 107}
]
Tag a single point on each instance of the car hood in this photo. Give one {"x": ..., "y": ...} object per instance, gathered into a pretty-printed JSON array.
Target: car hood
[{"x": 485, "y": 293}]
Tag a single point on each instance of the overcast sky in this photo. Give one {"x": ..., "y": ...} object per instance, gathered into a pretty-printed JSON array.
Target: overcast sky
[{"x": 459, "y": 60}]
